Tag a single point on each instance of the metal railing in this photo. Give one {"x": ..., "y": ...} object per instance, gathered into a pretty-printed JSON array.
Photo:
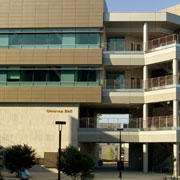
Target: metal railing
[
  {"x": 152, "y": 122},
  {"x": 109, "y": 123},
  {"x": 160, "y": 81},
  {"x": 160, "y": 122},
  {"x": 163, "y": 41},
  {"x": 123, "y": 84},
  {"x": 48, "y": 83},
  {"x": 50, "y": 46},
  {"x": 123, "y": 46}
]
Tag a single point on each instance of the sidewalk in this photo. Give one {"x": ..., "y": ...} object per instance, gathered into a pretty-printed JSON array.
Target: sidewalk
[{"x": 103, "y": 173}]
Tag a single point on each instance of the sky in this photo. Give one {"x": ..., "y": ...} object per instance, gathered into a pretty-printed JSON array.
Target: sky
[{"x": 139, "y": 5}]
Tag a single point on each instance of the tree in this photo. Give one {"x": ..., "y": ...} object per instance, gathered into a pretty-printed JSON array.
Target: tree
[
  {"x": 18, "y": 157},
  {"x": 111, "y": 153},
  {"x": 76, "y": 164},
  {"x": 1, "y": 162}
]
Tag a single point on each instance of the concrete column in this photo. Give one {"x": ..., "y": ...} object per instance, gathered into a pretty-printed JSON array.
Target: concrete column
[
  {"x": 96, "y": 153},
  {"x": 145, "y": 37},
  {"x": 145, "y": 115},
  {"x": 175, "y": 113},
  {"x": 145, "y": 158},
  {"x": 102, "y": 77},
  {"x": 145, "y": 76},
  {"x": 175, "y": 71},
  {"x": 176, "y": 157}
]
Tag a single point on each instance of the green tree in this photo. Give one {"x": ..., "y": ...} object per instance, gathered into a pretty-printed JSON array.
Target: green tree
[
  {"x": 1, "y": 162},
  {"x": 111, "y": 154},
  {"x": 18, "y": 157},
  {"x": 76, "y": 164}
]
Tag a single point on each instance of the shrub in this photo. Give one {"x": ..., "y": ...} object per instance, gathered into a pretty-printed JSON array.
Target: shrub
[
  {"x": 18, "y": 157},
  {"x": 1, "y": 162},
  {"x": 76, "y": 164}
]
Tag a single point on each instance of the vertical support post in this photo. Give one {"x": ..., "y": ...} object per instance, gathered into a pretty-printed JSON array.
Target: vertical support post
[
  {"x": 59, "y": 169},
  {"x": 145, "y": 116},
  {"x": 120, "y": 152},
  {"x": 145, "y": 37},
  {"x": 175, "y": 71},
  {"x": 176, "y": 157},
  {"x": 145, "y": 158},
  {"x": 59, "y": 123},
  {"x": 145, "y": 77},
  {"x": 175, "y": 113}
]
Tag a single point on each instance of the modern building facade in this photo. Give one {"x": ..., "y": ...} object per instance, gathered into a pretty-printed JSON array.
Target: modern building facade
[{"x": 69, "y": 60}]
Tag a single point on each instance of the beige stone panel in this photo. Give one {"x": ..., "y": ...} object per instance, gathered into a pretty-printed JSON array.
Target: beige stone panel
[
  {"x": 123, "y": 97},
  {"x": 160, "y": 95},
  {"x": 160, "y": 56},
  {"x": 173, "y": 9},
  {"x": 35, "y": 126}
]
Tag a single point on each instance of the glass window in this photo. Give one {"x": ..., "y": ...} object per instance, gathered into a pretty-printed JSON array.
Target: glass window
[
  {"x": 40, "y": 75},
  {"x": 28, "y": 39},
  {"x": 116, "y": 44},
  {"x": 92, "y": 76},
  {"x": 41, "y": 39},
  {"x": 82, "y": 38},
  {"x": 53, "y": 75},
  {"x": 26, "y": 75},
  {"x": 94, "y": 38},
  {"x": 15, "y": 39},
  {"x": 13, "y": 75},
  {"x": 82, "y": 76},
  {"x": 55, "y": 39},
  {"x": 68, "y": 39},
  {"x": 4, "y": 40}
]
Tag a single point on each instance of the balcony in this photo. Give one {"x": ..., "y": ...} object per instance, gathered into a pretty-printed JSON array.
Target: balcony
[
  {"x": 138, "y": 46},
  {"x": 123, "y": 84},
  {"x": 123, "y": 46},
  {"x": 109, "y": 123},
  {"x": 161, "y": 82},
  {"x": 134, "y": 123},
  {"x": 163, "y": 41},
  {"x": 160, "y": 122}
]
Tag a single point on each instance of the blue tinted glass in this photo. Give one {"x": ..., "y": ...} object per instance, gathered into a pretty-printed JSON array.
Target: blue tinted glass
[
  {"x": 82, "y": 38},
  {"x": 15, "y": 39},
  {"x": 41, "y": 38},
  {"x": 68, "y": 39},
  {"x": 94, "y": 38},
  {"x": 55, "y": 39},
  {"x": 28, "y": 39}
]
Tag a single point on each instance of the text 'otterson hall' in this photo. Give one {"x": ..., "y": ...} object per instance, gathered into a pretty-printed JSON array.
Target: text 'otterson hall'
[{"x": 70, "y": 60}]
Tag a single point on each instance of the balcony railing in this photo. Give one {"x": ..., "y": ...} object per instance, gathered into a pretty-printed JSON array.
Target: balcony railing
[
  {"x": 152, "y": 122},
  {"x": 51, "y": 46},
  {"x": 163, "y": 41},
  {"x": 160, "y": 122},
  {"x": 48, "y": 83},
  {"x": 123, "y": 46},
  {"x": 110, "y": 123},
  {"x": 160, "y": 81},
  {"x": 123, "y": 84}
]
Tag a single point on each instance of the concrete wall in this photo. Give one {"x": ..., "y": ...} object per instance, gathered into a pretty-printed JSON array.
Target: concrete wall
[
  {"x": 123, "y": 58},
  {"x": 174, "y": 9},
  {"x": 34, "y": 124},
  {"x": 123, "y": 96}
]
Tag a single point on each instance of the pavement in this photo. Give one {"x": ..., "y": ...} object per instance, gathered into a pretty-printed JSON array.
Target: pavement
[{"x": 102, "y": 173}]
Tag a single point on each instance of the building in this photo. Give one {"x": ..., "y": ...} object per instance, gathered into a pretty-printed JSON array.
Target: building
[{"x": 68, "y": 60}]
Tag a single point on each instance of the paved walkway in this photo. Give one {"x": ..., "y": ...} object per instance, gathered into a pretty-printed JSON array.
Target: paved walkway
[{"x": 106, "y": 173}]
